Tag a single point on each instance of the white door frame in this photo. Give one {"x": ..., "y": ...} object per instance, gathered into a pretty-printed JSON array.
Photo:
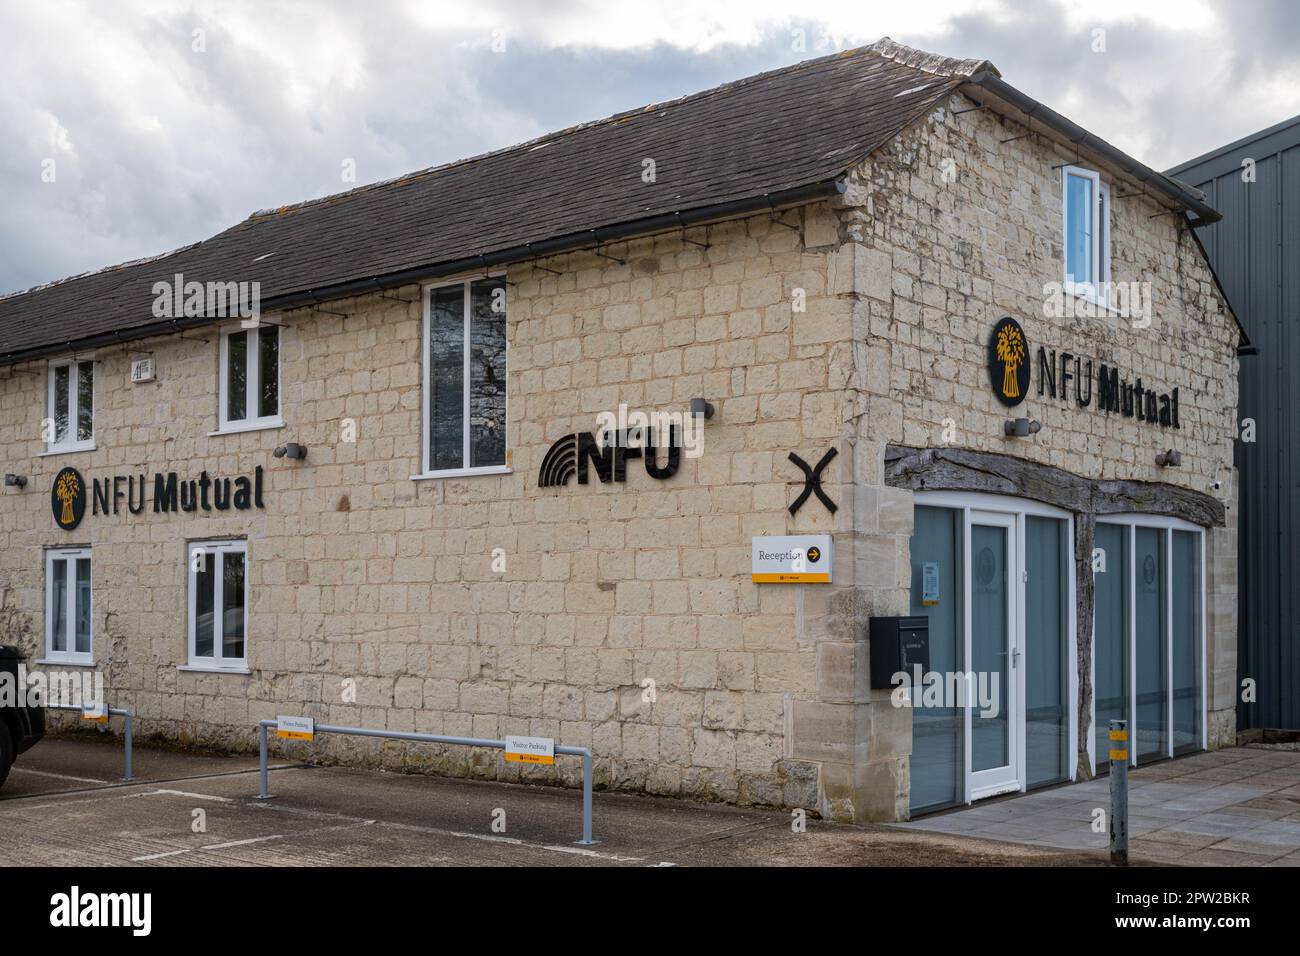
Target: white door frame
[
  {"x": 1016, "y": 509},
  {"x": 1010, "y": 776}
]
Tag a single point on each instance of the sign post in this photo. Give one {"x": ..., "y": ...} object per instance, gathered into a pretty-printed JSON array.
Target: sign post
[{"x": 1119, "y": 793}]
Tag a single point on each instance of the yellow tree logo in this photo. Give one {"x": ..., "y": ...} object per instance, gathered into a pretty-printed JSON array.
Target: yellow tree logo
[
  {"x": 68, "y": 498},
  {"x": 1010, "y": 352}
]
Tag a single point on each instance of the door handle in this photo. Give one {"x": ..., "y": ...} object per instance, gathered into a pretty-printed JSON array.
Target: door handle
[{"x": 1015, "y": 657}]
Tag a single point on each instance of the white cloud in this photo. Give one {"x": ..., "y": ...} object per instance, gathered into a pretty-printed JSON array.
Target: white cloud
[
  {"x": 1181, "y": 15},
  {"x": 694, "y": 26},
  {"x": 158, "y": 145}
]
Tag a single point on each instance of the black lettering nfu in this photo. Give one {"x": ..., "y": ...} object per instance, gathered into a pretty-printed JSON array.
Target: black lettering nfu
[
  {"x": 609, "y": 459},
  {"x": 170, "y": 493},
  {"x": 1056, "y": 375},
  {"x": 77, "y": 909}
]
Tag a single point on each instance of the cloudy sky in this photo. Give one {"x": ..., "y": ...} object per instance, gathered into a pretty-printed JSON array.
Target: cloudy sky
[{"x": 137, "y": 126}]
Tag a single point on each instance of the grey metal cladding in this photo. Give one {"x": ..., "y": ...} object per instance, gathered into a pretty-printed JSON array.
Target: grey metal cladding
[{"x": 1255, "y": 249}]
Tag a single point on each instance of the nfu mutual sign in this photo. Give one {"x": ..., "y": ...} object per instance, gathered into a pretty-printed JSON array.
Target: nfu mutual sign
[
  {"x": 168, "y": 492},
  {"x": 1072, "y": 377}
]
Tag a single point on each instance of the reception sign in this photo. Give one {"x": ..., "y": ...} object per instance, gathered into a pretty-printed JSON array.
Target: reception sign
[{"x": 791, "y": 559}]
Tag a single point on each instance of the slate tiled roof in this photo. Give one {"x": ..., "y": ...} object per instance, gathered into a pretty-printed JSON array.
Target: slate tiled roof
[{"x": 789, "y": 128}]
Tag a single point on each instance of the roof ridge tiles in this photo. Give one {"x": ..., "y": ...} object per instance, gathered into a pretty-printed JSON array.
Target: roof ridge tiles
[{"x": 930, "y": 62}]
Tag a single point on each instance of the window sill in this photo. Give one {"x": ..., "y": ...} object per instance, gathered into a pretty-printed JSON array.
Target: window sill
[
  {"x": 65, "y": 450},
  {"x": 259, "y": 426},
  {"x": 464, "y": 472},
  {"x": 1098, "y": 303},
  {"x": 64, "y": 662},
  {"x": 1081, "y": 291},
  {"x": 209, "y": 669}
]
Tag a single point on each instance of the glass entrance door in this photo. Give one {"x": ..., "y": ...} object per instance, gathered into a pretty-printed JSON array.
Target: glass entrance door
[
  {"x": 995, "y": 578},
  {"x": 1150, "y": 646},
  {"x": 1148, "y": 636},
  {"x": 993, "y": 652}
]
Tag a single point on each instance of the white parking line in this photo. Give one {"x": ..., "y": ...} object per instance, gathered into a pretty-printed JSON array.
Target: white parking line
[
  {"x": 183, "y": 793},
  {"x": 227, "y": 846},
  {"x": 58, "y": 776},
  {"x": 206, "y": 849},
  {"x": 158, "y": 856},
  {"x": 595, "y": 854},
  {"x": 464, "y": 835}
]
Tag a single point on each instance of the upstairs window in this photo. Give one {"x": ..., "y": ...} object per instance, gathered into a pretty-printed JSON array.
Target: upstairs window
[
  {"x": 1086, "y": 209},
  {"x": 70, "y": 421},
  {"x": 465, "y": 378},
  {"x": 250, "y": 378}
]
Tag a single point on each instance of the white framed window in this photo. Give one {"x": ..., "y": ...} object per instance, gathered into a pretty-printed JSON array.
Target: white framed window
[
  {"x": 465, "y": 370},
  {"x": 249, "y": 392},
  {"x": 68, "y": 606},
  {"x": 218, "y": 604},
  {"x": 70, "y": 415},
  {"x": 1085, "y": 207}
]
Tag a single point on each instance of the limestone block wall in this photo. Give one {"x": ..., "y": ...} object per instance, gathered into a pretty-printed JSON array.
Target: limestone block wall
[
  {"x": 1221, "y": 609},
  {"x": 969, "y": 230},
  {"x": 946, "y": 230},
  {"x": 623, "y": 618}
]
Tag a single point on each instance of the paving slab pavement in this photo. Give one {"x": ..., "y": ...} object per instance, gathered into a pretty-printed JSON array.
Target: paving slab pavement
[{"x": 1239, "y": 806}]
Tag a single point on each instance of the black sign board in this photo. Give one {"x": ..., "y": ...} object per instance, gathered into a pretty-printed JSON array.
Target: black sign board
[
  {"x": 1009, "y": 362},
  {"x": 68, "y": 498}
]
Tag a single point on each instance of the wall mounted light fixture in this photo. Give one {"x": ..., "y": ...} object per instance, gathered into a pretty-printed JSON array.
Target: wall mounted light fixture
[
  {"x": 701, "y": 407},
  {"x": 291, "y": 450},
  {"x": 1021, "y": 427},
  {"x": 15, "y": 481},
  {"x": 1169, "y": 459}
]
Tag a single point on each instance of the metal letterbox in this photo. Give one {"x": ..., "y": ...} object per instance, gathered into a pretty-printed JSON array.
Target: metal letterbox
[{"x": 898, "y": 644}]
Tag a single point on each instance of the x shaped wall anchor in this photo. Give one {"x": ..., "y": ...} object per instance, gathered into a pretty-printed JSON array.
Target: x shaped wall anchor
[{"x": 812, "y": 478}]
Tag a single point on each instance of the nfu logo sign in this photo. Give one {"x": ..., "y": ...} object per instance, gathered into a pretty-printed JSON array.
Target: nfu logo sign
[
  {"x": 1009, "y": 362},
  {"x": 572, "y": 455},
  {"x": 75, "y": 909},
  {"x": 68, "y": 498}
]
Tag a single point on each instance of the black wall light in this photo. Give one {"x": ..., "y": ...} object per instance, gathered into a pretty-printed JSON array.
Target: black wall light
[
  {"x": 1021, "y": 427},
  {"x": 701, "y": 407},
  {"x": 15, "y": 481},
  {"x": 291, "y": 450},
  {"x": 1169, "y": 459}
]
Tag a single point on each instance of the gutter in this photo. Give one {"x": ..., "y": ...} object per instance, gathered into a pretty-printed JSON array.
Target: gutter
[
  {"x": 1190, "y": 199},
  {"x": 573, "y": 242}
]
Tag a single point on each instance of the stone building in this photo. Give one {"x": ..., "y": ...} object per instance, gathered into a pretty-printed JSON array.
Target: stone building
[{"x": 411, "y": 489}]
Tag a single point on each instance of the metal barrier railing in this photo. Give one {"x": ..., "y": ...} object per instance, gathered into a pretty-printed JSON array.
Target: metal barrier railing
[
  {"x": 583, "y": 752},
  {"x": 110, "y": 712}
]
